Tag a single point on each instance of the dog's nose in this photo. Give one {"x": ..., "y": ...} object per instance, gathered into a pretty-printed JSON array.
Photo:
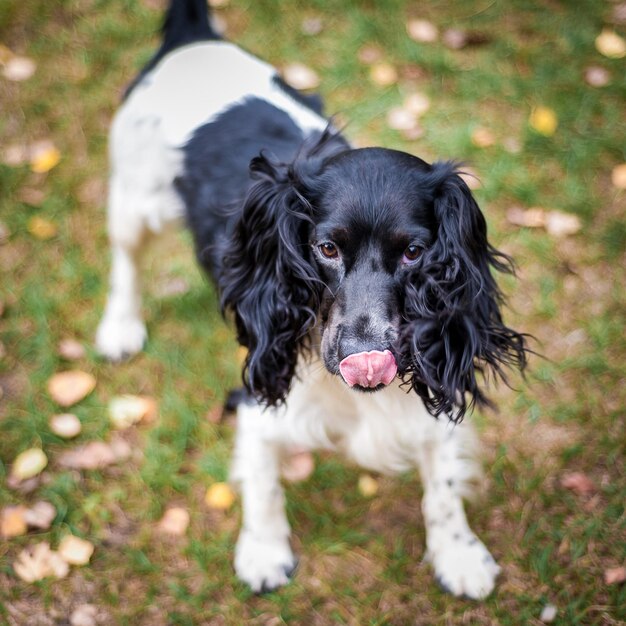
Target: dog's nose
[{"x": 369, "y": 369}]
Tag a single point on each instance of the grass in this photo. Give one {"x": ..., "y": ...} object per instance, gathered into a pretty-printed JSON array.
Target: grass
[{"x": 360, "y": 558}]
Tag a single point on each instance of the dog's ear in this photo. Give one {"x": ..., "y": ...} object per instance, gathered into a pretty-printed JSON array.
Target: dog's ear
[
  {"x": 455, "y": 329},
  {"x": 268, "y": 280}
]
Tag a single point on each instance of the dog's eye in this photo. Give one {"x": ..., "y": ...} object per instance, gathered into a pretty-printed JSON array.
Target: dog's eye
[
  {"x": 329, "y": 250},
  {"x": 411, "y": 254}
]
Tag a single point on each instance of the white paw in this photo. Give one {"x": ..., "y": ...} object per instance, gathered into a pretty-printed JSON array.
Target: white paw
[
  {"x": 464, "y": 567},
  {"x": 263, "y": 564},
  {"x": 119, "y": 338}
]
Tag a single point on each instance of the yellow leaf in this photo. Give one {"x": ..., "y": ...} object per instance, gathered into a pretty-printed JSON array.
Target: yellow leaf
[
  {"x": 618, "y": 176},
  {"x": 383, "y": 74},
  {"x": 544, "y": 121},
  {"x": 126, "y": 410},
  {"x": 12, "y": 522},
  {"x": 67, "y": 388},
  {"x": 65, "y": 425},
  {"x": 28, "y": 464},
  {"x": 38, "y": 562},
  {"x": 75, "y": 551},
  {"x": 41, "y": 228},
  {"x": 610, "y": 44},
  {"x": 368, "y": 486},
  {"x": 483, "y": 137},
  {"x": 219, "y": 496},
  {"x": 174, "y": 522},
  {"x": 44, "y": 159}
]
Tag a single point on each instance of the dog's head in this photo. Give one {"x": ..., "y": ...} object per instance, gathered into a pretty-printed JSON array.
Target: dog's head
[{"x": 379, "y": 261}]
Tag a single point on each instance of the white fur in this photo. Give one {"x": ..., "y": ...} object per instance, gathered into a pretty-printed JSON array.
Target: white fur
[{"x": 388, "y": 431}]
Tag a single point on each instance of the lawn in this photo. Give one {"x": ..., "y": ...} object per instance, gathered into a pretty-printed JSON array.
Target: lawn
[{"x": 510, "y": 93}]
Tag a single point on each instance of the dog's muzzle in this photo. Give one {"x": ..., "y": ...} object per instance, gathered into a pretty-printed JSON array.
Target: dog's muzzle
[{"x": 369, "y": 369}]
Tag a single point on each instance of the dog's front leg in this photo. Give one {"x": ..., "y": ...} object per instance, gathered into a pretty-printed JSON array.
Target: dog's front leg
[
  {"x": 263, "y": 556},
  {"x": 463, "y": 565}
]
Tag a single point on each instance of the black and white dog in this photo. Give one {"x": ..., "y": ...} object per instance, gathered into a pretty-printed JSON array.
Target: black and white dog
[{"x": 359, "y": 279}]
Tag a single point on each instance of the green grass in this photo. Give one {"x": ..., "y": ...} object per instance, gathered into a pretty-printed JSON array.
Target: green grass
[{"x": 361, "y": 560}]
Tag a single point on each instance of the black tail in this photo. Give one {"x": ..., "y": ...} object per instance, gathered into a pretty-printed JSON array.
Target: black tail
[{"x": 186, "y": 22}]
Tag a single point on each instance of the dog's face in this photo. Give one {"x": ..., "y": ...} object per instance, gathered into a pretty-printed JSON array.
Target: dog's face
[{"x": 379, "y": 261}]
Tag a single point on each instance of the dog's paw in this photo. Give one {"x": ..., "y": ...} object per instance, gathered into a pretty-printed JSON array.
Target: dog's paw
[
  {"x": 120, "y": 338},
  {"x": 263, "y": 564},
  {"x": 464, "y": 567}
]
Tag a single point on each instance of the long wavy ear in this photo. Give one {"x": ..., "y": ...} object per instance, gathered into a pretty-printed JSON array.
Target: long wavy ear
[
  {"x": 268, "y": 279},
  {"x": 455, "y": 328}
]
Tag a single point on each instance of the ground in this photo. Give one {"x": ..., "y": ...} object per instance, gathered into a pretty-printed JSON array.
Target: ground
[{"x": 360, "y": 557}]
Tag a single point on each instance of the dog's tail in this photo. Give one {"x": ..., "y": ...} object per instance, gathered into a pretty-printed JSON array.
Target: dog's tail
[{"x": 186, "y": 22}]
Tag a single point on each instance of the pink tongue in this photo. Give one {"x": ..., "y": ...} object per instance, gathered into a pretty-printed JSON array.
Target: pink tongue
[{"x": 369, "y": 369}]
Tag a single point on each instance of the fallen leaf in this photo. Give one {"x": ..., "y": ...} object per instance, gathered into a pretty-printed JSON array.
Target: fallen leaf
[
  {"x": 548, "y": 613},
  {"x": 75, "y": 551},
  {"x": 512, "y": 145},
  {"x": 596, "y": 76},
  {"x": 619, "y": 13},
  {"x": 19, "y": 68},
  {"x": 126, "y": 410},
  {"x": 559, "y": 224},
  {"x": 417, "y": 103},
  {"x": 529, "y": 218},
  {"x": 68, "y": 388},
  {"x": 312, "y": 26},
  {"x": 38, "y": 562},
  {"x": 368, "y": 486},
  {"x": 44, "y": 156},
  {"x": 174, "y": 521},
  {"x": 28, "y": 464},
  {"x": 12, "y": 522},
  {"x": 92, "y": 455},
  {"x": 383, "y": 74},
  {"x": 65, "y": 425},
  {"x": 369, "y": 54},
  {"x": 454, "y": 38},
  {"x": 614, "y": 575},
  {"x": 483, "y": 137},
  {"x": 610, "y": 44},
  {"x": 400, "y": 118},
  {"x": 422, "y": 31},
  {"x": 84, "y": 615},
  {"x": 544, "y": 121},
  {"x": 40, "y": 515},
  {"x": 301, "y": 77},
  {"x": 71, "y": 350},
  {"x": 298, "y": 467},
  {"x": 15, "y": 154},
  {"x": 578, "y": 482},
  {"x": 618, "y": 176},
  {"x": 29, "y": 195},
  {"x": 41, "y": 228},
  {"x": 219, "y": 496}
]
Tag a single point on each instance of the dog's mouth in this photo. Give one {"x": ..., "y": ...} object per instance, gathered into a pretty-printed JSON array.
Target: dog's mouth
[{"x": 369, "y": 371}]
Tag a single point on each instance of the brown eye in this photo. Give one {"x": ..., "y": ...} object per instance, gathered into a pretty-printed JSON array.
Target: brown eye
[
  {"x": 411, "y": 254},
  {"x": 329, "y": 250}
]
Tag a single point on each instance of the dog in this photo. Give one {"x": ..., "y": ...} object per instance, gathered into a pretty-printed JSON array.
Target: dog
[{"x": 360, "y": 282}]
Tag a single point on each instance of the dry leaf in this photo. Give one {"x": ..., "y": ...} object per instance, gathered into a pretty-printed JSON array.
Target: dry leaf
[
  {"x": 610, "y": 44},
  {"x": 454, "y": 38},
  {"x": 400, "y": 118},
  {"x": 75, "y": 551},
  {"x": 422, "y": 31},
  {"x": 126, "y": 410},
  {"x": 93, "y": 455},
  {"x": 483, "y": 137},
  {"x": 300, "y": 76},
  {"x": 596, "y": 76},
  {"x": 39, "y": 562},
  {"x": 19, "y": 68},
  {"x": 65, "y": 425},
  {"x": 559, "y": 224},
  {"x": 618, "y": 176},
  {"x": 12, "y": 522},
  {"x": 31, "y": 196},
  {"x": 417, "y": 103},
  {"x": 544, "y": 121},
  {"x": 15, "y": 155},
  {"x": 68, "y": 388},
  {"x": 174, "y": 521},
  {"x": 219, "y": 496},
  {"x": 529, "y": 218},
  {"x": 512, "y": 145},
  {"x": 40, "y": 515},
  {"x": 368, "y": 486},
  {"x": 71, "y": 350},
  {"x": 312, "y": 26},
  {"x": 370, "y": 54},
  {"x": 614, "y": 575},
  {"x": 41, "y": 228},
  {"x": 29, "y": 463},
  {"x": 44, "y": 156},
  {"x": 84, "y": 615},
  {"x": 298, "y": 467},
  {"x": 383, "y": 74},
  {"x": 578, "y": 482}
]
